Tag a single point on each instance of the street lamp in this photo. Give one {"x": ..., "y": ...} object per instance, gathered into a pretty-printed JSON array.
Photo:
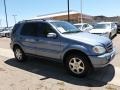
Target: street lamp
[
  {"x": 14, "y": 16},
  {"x": 5, "y": 13},
  {"x": 81, "y": 13},
  {"x": 68, "y": 10}
]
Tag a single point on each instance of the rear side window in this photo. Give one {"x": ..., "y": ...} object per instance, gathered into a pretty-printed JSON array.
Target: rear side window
[
  {"x": 29, "y": 29},
  {"x": 15, "y": 28}
]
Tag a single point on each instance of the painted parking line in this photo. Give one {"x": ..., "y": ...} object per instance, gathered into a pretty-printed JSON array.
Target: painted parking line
[
  {"x": 6, "y": 53},
  {"x": 111, "y": 75}
]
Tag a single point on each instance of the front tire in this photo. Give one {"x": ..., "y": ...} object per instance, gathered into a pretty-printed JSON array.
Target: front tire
[
  {"x": 78, "y": 65},
  {"x": 19, "y": 54}
]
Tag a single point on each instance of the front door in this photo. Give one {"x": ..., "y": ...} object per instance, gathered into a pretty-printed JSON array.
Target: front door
[{"x": 48, "y": 46}]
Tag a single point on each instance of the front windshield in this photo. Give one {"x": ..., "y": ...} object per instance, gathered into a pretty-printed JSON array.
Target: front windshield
[
  {"x": 65, "y": 27},
  {"x": 101, "y": 26}
]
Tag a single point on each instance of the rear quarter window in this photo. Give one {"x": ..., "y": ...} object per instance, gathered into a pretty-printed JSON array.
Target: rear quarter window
[
  {"x": 15, "y": 28},
  {"x": 29, "y": 29}
]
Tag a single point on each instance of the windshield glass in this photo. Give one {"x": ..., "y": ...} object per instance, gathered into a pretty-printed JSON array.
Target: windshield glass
[
  {"x": 101, "y": 26},
  {"x": 65, "y": 27}
]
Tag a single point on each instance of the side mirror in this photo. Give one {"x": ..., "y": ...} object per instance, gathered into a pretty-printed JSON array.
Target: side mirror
[{"x": 51, "y": 35}]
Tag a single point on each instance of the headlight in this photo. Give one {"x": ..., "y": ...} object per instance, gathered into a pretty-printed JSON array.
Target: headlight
[{"x": 99, "y": 49}]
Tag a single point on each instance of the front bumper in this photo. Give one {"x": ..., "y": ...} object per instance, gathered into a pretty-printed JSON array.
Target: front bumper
[{"x": 102, "y": 60}]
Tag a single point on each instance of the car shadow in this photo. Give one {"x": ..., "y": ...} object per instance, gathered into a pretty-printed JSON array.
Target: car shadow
[
  {"x": 113, "y": 37},
  {"x": 118, "y": 32},
  {"x": 55, "y": 70}
]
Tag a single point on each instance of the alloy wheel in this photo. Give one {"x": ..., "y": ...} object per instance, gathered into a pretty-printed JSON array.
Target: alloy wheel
[{"x": 76, "y": 65}]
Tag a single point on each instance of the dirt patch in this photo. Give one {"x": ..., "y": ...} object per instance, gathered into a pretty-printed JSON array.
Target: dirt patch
[{"x": 1, "y": 69}]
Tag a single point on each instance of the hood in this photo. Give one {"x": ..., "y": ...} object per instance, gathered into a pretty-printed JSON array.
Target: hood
[
  {"x": 99, "y": 30},
  {"x": 88, "y": 38}
]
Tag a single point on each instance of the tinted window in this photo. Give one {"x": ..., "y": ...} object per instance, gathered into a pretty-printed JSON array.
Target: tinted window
[
  {"x": 29, "y": 29},
  {"x": 44, "y": 29},
  {"x": 85, "y": 25},
  {"x": 15, "y": 28}
]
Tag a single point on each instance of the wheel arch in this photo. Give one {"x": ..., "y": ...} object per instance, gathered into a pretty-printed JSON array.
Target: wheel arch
[
  {"x": 16, "y": 45},
  {"x": 74, "y": 51}
]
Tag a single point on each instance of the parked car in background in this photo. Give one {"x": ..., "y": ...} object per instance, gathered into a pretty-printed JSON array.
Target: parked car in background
[
  {"x": 107, "y": 29},
  {"x": 84, "y": 26},
  {"x": 1, "y": 29},
  {"x": 6, "y": 32},
  {"x": 1, "y": 33},
  {"x": 59, "y": 40},
  {"x": 118, "y": 27}
]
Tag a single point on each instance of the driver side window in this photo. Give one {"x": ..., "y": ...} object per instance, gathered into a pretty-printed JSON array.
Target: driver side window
[{"x": 44, "y": 29}]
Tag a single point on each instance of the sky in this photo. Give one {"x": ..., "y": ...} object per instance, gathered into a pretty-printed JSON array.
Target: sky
[{"x": 26, "y": 9}]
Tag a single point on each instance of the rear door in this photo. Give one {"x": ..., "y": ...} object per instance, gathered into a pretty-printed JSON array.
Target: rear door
[{"x": 28, "y": 37}]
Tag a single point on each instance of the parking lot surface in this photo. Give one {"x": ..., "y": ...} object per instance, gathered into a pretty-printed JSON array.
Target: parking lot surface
[{"x": 37, "y": 74}]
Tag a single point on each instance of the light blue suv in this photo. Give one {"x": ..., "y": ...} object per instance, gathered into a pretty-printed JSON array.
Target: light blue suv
[{"x": 59, "y": 40}]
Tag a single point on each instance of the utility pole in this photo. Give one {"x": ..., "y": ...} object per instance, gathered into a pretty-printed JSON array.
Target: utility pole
[
  {"x": 81, "y": 12},
  {"x": 14, "y": 16},
  {"x": 68, "y": 10},
  {"x": 6, "y": 13}
]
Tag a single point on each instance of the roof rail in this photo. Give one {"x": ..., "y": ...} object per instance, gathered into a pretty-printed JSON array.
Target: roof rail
[{"x": 45, "y": 19}]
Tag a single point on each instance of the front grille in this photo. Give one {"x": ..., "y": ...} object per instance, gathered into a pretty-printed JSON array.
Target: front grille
[
  {"x": 109, "y": 47},
  {"x": 96, "y": 33}
]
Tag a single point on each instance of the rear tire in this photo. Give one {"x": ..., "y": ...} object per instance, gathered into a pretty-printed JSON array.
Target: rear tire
[
  {"x": 19, "y": 54},
  {"x": 116, "y": 33},
  {"x": 7, "y": 35},
  {"x": 78, "y": 65}
]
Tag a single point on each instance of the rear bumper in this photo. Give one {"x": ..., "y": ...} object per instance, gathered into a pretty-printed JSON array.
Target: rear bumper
[{"x": 102, "y": 60}]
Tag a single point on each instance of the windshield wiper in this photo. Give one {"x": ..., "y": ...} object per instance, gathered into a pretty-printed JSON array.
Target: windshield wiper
[{"x": 71, "y": 32}]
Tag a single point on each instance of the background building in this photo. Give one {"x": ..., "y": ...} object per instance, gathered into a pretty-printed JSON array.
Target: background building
[{"x": 75, "y": 17}]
